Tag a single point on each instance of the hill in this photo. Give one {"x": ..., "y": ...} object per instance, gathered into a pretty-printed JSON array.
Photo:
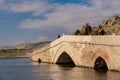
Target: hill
[
  {"x": 20, "y": 50},
  {"x": 25, "y": 45},
  {"x": 107, "y": 27}
]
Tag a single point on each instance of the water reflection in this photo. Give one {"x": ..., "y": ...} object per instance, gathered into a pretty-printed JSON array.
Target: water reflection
[
  {"x": 68, "y": 72},
  {"x": 35, "y": 63},
  {"x": 25, "y": 69}
]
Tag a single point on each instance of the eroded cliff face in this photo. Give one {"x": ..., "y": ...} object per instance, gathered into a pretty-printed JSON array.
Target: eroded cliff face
[{"x": 107, "y": 27}]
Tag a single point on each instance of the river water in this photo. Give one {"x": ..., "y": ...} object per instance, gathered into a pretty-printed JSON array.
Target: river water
[{"x": 25, "y": 69}]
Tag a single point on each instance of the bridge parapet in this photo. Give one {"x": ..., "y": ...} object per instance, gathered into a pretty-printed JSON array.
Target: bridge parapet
[
  {"x": 103, "y": 40},
  {"x": 71, "y": 38},
  {"x": 106, "y": 40},
  {"x": 96, "y": 40}
]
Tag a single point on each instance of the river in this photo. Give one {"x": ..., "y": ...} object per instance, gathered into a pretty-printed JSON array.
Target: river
[{"x": 25, "y": 69}]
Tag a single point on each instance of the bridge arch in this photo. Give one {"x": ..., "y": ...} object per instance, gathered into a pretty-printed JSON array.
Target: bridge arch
[
  {"x": 39, "y": 60},
  {"x": 62, "y": 53},
  {"x": 100, "y": 60},
  {"x": 64, "y": 58}
]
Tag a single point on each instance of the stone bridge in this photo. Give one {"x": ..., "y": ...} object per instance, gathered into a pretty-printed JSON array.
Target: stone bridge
[{"x": 85, "y": 51}]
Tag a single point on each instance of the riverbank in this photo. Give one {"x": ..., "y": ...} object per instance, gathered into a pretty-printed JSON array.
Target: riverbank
[{"x": 6, "y": 55}]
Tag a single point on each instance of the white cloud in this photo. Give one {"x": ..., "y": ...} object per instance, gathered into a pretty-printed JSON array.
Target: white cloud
[
  {"x": 41, "y": 39},
  {"x": 63, "y": 16},
  {"x": 36, "y": 7},
  {"x": 70, "y": 16},
  {"x": 66, "y": 16},
  {"x": 31, "y": 23}
]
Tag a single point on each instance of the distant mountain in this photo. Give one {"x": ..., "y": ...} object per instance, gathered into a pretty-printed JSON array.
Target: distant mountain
[
  {"x": 107, "y": 27},
  {"x": 25, "y": 45}
]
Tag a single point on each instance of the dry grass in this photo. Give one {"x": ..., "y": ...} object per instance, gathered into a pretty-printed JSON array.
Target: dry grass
[{"x": 12, "y": 54}]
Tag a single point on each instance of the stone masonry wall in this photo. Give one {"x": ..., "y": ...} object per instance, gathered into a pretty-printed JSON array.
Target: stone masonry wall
[{"x": 84, "y": 50}]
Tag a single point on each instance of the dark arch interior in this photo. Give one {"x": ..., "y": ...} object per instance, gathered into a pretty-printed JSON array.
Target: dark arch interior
[
  {"x": 100, "y": 65},
  {"x": 65, "y": 59},
  {"x": 39, "y": 60}
]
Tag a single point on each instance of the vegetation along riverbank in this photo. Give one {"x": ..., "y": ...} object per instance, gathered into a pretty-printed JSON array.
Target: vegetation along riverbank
[{"x": 4, "y": 53}]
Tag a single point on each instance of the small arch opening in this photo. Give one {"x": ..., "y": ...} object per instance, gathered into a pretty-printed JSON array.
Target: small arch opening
[
  {"x": 100, "y": 65},
  {"x": 39, "y": 60},
  {"x": 65, "y": 60}
]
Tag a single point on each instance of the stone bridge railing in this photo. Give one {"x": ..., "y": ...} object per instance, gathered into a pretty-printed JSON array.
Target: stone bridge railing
[
  {"x": 106, "y": 40},
  {"x": 58, "y": 41}
]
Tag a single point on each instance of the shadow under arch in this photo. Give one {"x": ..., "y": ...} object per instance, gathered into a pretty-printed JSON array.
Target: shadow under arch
[
  {"x": 64, "y": 58},
  {"x": 100, "y": 65},
  {"x": 64, "y": 49},
  {"x": 101, "y": 61},
  {"x": 39, "y": 60}
]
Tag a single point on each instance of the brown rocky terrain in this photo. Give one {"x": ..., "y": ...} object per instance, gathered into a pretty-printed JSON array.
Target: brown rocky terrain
[{"x": 107, "y": 27}]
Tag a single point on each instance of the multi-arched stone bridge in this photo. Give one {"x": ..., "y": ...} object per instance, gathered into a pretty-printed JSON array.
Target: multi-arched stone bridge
[{"x": 86, "y": 51}]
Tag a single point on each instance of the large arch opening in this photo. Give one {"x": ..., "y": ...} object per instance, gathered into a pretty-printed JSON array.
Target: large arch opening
[
  {"x": 65, "y": 60},
  {"x": 100, "y": 65}
]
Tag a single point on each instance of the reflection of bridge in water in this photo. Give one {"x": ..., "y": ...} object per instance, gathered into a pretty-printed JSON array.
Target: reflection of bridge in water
[{"x": 86, "y": 51}]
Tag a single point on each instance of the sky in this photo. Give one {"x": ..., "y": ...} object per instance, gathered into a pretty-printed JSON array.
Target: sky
[{"x": 24, "y": 21}]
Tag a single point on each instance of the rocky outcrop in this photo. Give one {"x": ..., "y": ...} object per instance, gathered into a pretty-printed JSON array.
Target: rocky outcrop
[
  {"x": 86, "y": 29},
  {"x": 76, "y": 32},
  {"x": 107, "y": 27}
]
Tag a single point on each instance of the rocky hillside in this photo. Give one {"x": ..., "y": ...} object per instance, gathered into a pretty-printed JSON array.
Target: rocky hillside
[{"x": 107, "y": 27}]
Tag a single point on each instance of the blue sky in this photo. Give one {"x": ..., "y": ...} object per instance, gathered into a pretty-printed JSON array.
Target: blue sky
[{"x": 24, "y": 21}]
